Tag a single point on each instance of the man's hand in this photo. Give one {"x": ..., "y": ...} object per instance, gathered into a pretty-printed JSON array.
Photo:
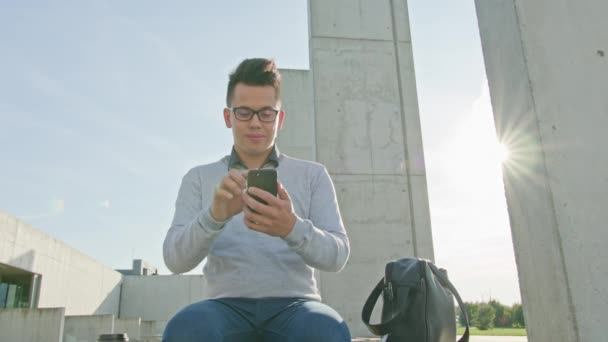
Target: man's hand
[
  {"x": 276, "y": 218},
  {"x": 227, "y": 198}
]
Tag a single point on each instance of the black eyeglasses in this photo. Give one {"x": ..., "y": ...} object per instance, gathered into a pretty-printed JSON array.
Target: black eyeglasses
[{"x": 246, "y": 113}]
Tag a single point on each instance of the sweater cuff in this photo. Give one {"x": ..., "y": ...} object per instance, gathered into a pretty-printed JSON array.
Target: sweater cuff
[
  {"x": 299, "y": 235},
  {"x": 207, "y": 222}
]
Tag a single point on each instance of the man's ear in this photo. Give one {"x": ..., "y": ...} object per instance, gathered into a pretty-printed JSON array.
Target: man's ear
[
  {"x": 281, "y": 118},
  {"x": 227, "y": 118}
]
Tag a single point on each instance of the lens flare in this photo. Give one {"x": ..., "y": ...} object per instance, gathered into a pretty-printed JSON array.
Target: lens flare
[{"x": 502, "y": 152}]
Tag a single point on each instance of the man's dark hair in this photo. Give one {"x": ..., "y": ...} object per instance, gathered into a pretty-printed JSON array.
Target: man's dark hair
[{"x": 255, "y": 72}]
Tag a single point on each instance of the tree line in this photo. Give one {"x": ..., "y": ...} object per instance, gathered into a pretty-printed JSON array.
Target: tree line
[{"x": 492, "y": 314}]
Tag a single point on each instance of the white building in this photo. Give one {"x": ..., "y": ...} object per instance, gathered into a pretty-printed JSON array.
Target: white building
[{"x": 83, "y": 298}]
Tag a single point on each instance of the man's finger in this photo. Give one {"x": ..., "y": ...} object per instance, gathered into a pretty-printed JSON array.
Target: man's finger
[
  {"x": 264, "y": 195},
  {"x": 254, "y": 217},
  {"x": 256, "y": 205},
  {"x": 222, "y": 193},
  {"x": 232, "y": 186},
  {"x": 254, "y": 226},
  {"x": 238, "y": 177},
  {"x": 267, "y": 210}
]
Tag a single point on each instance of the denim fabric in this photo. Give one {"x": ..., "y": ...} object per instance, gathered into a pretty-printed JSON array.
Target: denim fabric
[{"x": 257, "y": 320}]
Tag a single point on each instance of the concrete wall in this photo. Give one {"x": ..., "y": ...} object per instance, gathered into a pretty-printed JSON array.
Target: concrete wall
[
  {"x": 32, "y": 325},
  {"x": 70, "y": 279},
  {"x": 152, "y": 328},
  {"x": 160, "y": 297},
  {"x": 129, "y": 326},
  {"x": 87, "y": 328},
  {"x": 367, "y": 133},
  {"x": 297, "y": 138},
  {"x": 547, "y": 66}
]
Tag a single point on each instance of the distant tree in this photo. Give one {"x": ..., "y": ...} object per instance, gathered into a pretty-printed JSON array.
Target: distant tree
[
  {"x": 485, "y": 317},
  {"x": 457, "y": 314},
  {"x": 517, "y": 316},
  {"x": 471, "y": 309},
  {"x": 505, "y": 320},
  {"x": 503, "y": 316}
]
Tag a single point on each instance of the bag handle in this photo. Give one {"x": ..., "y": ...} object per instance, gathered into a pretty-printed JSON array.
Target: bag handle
[
  {"x": 382, "y": 328},
  {"x": 446, "y": 282}
]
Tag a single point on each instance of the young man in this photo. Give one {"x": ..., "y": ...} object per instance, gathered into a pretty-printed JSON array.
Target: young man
[{"x": 260, "y": 257}]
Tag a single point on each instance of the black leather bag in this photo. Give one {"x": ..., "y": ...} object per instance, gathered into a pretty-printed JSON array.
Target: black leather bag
[{"x": 418, "y": 304}]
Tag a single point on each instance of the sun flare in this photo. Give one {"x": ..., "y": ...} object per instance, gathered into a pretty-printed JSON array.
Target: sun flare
[{"x": 502, "y": 152}]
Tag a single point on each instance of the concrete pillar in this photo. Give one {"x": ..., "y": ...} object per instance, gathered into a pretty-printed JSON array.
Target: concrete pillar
[
  {"x": 367, "y": 133},
  {"x": 547, "y": 68},
  {"x": 34, "y": 290},
  {"x": 297, "y": 138}
]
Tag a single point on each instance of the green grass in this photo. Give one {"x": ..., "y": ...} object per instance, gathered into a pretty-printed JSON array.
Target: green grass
[{"x": 495, "y": 332}]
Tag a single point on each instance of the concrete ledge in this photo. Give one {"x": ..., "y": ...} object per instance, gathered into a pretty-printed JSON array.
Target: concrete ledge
[
  {"x": 32, "y": 325},
  {"x": 152, "y": 328},
  {"x": 87, "y": 328},
  {"x": 129, "y": 326}
]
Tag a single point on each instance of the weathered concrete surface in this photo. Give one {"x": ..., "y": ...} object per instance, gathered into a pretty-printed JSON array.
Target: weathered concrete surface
[
  {"x": 70, "y": 278},
  {"x": 159, "y": 297},
  {"x": 367, "y": 133},
  {"x": 297, "y": 138},
  {"x": 87, "y": 328},
  {"x": 129, "y": 326},
  {"x": 152, "y": 328},
  {"x": 32, "y": 325},
  {"x": 547, "y": 67}
]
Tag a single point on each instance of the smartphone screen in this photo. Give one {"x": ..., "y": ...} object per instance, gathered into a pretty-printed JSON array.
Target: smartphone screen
[{"x": 265, "y": 179}]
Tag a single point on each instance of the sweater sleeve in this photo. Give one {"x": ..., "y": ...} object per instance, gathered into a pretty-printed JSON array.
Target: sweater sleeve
[
  {"x": 321, "y": 240},
  {"x": 192, "y": 230}
]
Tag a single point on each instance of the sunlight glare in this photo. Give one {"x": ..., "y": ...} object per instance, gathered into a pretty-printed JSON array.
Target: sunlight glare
[{"x": 502, "y": 152}]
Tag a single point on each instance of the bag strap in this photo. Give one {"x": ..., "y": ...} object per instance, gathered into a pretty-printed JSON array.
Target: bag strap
[
  {"x": 446, "y": 282},
  {"x": 382, "y": 328}
]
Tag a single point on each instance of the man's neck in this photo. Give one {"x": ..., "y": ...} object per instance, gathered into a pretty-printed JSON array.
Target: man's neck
[{"x": 253, "y": 161}]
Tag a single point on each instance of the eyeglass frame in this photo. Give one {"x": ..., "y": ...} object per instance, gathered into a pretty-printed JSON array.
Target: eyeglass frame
[{"x": 255, "y": 112}]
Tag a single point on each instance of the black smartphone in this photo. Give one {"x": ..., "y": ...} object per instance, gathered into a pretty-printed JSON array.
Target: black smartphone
[{"x": 265, "y": 179}]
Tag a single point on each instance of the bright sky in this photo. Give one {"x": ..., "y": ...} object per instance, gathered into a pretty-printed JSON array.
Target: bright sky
[{"x": 105, "y": 105}]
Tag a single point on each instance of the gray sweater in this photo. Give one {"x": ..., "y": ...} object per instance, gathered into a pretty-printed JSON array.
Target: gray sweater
[{"x": 245, "y": 263}]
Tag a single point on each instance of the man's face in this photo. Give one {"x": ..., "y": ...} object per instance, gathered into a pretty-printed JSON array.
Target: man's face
[{"x": 253, "y": 137}]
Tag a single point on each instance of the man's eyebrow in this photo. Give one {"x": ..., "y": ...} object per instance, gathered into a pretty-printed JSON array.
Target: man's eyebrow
[{"x": 265, "y": 107}]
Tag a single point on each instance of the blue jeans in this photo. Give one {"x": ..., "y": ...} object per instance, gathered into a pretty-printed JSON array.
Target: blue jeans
[{"x": 257, "y": 320}]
